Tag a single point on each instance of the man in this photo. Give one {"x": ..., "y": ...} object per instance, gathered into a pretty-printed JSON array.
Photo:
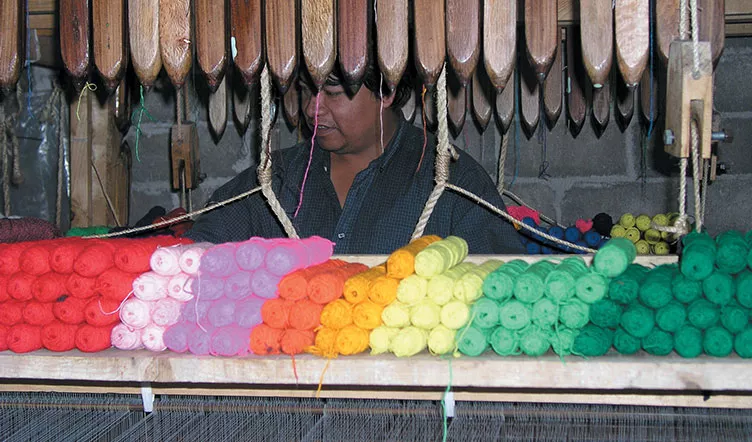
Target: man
[{"x": 364, "y": 196}]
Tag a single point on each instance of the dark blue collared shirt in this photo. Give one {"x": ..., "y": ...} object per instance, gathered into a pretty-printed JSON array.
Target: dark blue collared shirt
[{"x": 381, "y": 209}]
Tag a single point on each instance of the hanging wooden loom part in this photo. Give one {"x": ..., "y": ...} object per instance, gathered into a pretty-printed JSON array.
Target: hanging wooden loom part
[
  {"x": 505, "y": 105},
  {"x": 354, "y": 26},
  {"x": 602, "y": 105},
  {"x": 430, "y": 50},
  {"x": 391, "y": 39},
  {"x": 175, "y": 46},
  {"x": 110, "y": 55},
  {"x": 596, "y": 24},
  {"x": 482, "y": 93},
  {"x": 292, "y": 106},
  {"x": 577, "y": 87},
  {"x": 74, "y": 40},
  {"x": 12, "y": 42},
  {"x": 211, "y": 52},
  {"x": 319, "y": 40},
  {"x": 500, "y": 54},
  {"x": 632, "y": 33},
  {"x": 281, "y": 40},
  {"x": 143, "y": 34},
  {"x": 218, "y": 108},
  {"x": 463, "y": 50},
  {"x": 529, "y": 95},
  {"x": 552, "y": 89},
  {"x": 246, "y": 47},
  {"x": 541, "y": 33}
]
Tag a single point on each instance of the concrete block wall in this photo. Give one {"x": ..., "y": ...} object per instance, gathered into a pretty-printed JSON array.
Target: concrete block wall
[{"x": 586, "y": 174}]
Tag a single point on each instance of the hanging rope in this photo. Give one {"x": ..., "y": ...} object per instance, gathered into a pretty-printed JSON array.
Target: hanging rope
[
  {"x": 502, "y": 161},
  {"x": 444, "y": 152},
  {"x": 264, "y": 171}
]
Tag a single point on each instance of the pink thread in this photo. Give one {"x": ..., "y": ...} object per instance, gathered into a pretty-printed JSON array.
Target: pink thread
[
  {"x": 310, "y": 155},
  {"x": 381, "y": 111}
]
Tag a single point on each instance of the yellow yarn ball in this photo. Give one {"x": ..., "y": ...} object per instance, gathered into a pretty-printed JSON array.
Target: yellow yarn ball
[
  {"x": 633, "y": 234},
  {"x": 409, "y": 342},
  {"x": 337, "y": 314},
  {"x": 627, "y": 220},
  {"x": 425, "y": 315},
  {"x": 661, "y": 248},
  {"x": 441, "y": 340},
  {"x": 367, "y": 315},
  {"x": 412, "y": 290},
  {"x": 324, "y": 343},
  {"x": 380, "y": 338},
  {"x": 351, "y": 340},
  {"x": 618, "y": 231},
  {"x": 455, "y": 315},
  {"x": 661, "y": 219},
  {"x": 396, "y": 314},
  {"x": 642, "y": 222},
  {"x": 642, "y": 246},
  {"x": 652, "y": 236}
]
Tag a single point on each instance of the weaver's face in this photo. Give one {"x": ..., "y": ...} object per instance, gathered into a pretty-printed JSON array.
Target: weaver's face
[{"x": 346, "y": 124}]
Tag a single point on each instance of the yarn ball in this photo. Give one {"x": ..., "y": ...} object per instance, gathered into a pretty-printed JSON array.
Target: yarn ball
[
  {"x": 265, "y": 340},
  {"x": 380, "y": 339},
  {"x": 697, "y": 261},
  {"x": 671, "y": 316},
  {"x": 94, "y": 259},
  {"x": 151, "y": 286},
  {"x": 57, "y": 336},
  {"x": 544, "y": 313},
  {"x": 732, "y": 251},
  {"x": 499, "y": 284},
  {"x": 625, "y": 343},
  {"x": 638, "y": 320},
  {"x": 718, "y": 342},
  {"x": 412, "y": 290},
  {"x": 514, "y": 315},
  {"x": 237, "y": 285},
  {"x": 602, "y": 223},
  {"x": 127, "y": 338},
  {"x": 222, "y": 312},
  {"x": 80, "y": 286},
  {"x": 35, "y": 260},
  {"x": 324, "y": 343},
  {"x": 744, "y": 288},
  {"x": 455, "y": 315},
  {"x": 351, "y": 340},
  {"x": 218, "y": 261},
  {"x": 642, "y": 222},
  {"x": 703, "y": 314},
  {"x": 658, "y": 342},
  {"x": 688, "y": 341},
  {"x": 409, "y": 342},
  {"x": 534, "y": 341},
  {"x": 643, "y": 247},
  {"x": 383, "y": 290},
  {"x": 742, "y": 343},
  {"x": 734, "y": 318},
  {"x": 152, "y": 336},
  {"x": 367, "y": 315},
  {"x": 505, "y": 342},
  {"x": 199, "y": 342},
  {"x": 574, "y": 314},
  {"x": 305, "y": 315},
  {"x": 719, "y": 288},
  {"x": 472, "y": 341},
  {"x": 591, "y": 287},
  {"x": 250, "y": 254},
  {"x": 247, "y": 312},
  {"x": 38, "y": 313},
  {"x": 562, "y": 340},
  {"x": 115, "y": 284},
  {"x": 623, "y": 289},
  {"x": 687, "y": 290},
  {"x": 656, "y": 292},
  {"x": 175, "y": 337},
  {"x": 24, "y": 338},
  {"x": 605, "y": 313},
  {"x": 485, "y": 313},
  {"x": 50, "y": 287},
  {"x": 69, "y": 310},
  {"x": 441, "y": 340},
  {"x": 101, "y": 312},
  {"x": 627, "y": 220},
  {"x": 612, "y": 259},
  {"x": 90, "y": 338},
  {"x": 425, "y": 315},
  {"x": 294, "y": 341},
  {"x": 276, "y": 313},
  {"x": 593, "y": 341},
  {"x": 338, "y": 314},
  {"x": 396, "y": 314},
  {"x": 11, "y": 313},
  {"x": 560, "y": 285},
  {"x": 64, "y": 255},
  {"x": 20, "y": 286}
]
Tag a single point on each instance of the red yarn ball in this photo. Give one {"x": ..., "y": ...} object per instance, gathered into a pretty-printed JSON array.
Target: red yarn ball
[
  {"x": 65, "y": 253},
  {"x": 35, "y": 260},
  {"x": 134, "y": 255},
  {"x": 24, "y": 338},
  {"x": 91, "y": 339},
  {"x": 4, "y": 330},
  {"x": 70, "y": 310},
  {"x": 49, "y": 287},
  {"x": 115, "y": 284},
  {"x": 10, "y": 255},
  {"x": 80, "y": 286},
  {"x": 11, "y": 312},
  {"x": 19, "y": 286},
  {"x": 4, "y": 296},
  {"x": 100, "y": 312},
  {"x": 38, "y": 313},
  {"x": 57, "y": 336},
  {"x": 95, "y": 259}
]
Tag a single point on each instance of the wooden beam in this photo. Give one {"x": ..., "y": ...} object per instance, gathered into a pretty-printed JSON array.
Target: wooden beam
[{"x": 80, "y": 153}]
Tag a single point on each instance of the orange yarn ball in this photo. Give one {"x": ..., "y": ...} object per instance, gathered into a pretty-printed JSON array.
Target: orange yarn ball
[
  {"x": 305, "y": 315},
  {"x": 276, "y": 313},
  {"x": 296, "y": 341},
  {"x": 265, "y": 340}
]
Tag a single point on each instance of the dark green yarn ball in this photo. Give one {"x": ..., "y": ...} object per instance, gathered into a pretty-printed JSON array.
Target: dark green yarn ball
[
  {"x": 656, "y": 292},
  {"x": 658, "y": 342},
  {"x": 625, "y": 343},
  {"x": 686, "y": 290},
  {"x": 605, "y": 313},
  {"x": 719, "y": 288},
  {"x": 638, "y": 320},
  {"x": 743, "y": 343},
  {"x": 744, "y": 288},
  {"x": 718, "y": 342},
  {"x": 671, "y": 316},
  {"x": 732, "y": 252},
  {"x": 623, "y": 289},
  {"x": 703, "y": 314},
  {"x": 734, "y": 318},
  {"x": 593, "y": 341},
  {"x": 688, "y": 341},
  {"x": 698, "y": 261}
]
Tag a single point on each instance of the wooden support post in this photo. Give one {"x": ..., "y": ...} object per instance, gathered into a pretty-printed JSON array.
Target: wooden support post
[{"x": 80, "y": 154}]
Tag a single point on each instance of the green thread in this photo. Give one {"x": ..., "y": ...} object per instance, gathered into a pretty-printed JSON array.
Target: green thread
[
  {"x": 443, "y": 402},
  {"x": 141, "y": 109}
]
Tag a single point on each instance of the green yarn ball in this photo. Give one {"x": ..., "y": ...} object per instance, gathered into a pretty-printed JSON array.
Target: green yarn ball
[
  {"x": 514, "y": 315},
  {"x": 505, "y": 342},
  {"x": 688, "y": 341},
  {"x": 499, "y": 284},
  {"x": 743, "y": 343},
  {"x": 545, "y": 313},
  {"x": 625, "y": 343},
  {"x": 485, "y": 313},
  {"x": 613, "y": 258},
  {"x": 658, "y": 342},
  {"x": 732, "y": 252},
  {"x": 734, "y": 318},
  {"x": 656, "y": 292},
  {"x": 562, "y": 340},
  {"x": 574, "y": 314},
  {"x": 559, "y": 286},
  {"x": 591, "y": 287},
  {"x": 605, "y": 313},
  {"x": 472, "y": 341},
  {"x": 686, "y": 290},
  {"x": 671, "y": 316},
  {"x": 698, "y": 261},
  {"x": 719, "y": 288},
  {"x": 638, "y": 320},
  {"x": 593, "y": 341},
  {"x": 534, "y": 341},
  {"x": 703, "y": 314},
  {"x": 718, "y": 342},
  {"x": 744, "y": 288}
]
